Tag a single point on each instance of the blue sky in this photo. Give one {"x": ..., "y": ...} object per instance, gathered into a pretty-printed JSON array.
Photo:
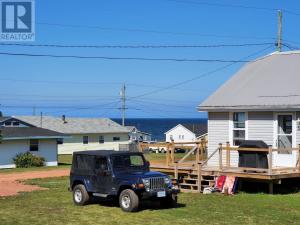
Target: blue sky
[{"x": 90, "y": 87}]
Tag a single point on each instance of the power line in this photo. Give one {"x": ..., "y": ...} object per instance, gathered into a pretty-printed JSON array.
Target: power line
[
  {"x": 135, "y": 46},
  {"x": 234, "y": 6},
  {"x": 122, "y": 58},
  {"x": 138, "y": 30},
  {"x": 200, "y": 76}
]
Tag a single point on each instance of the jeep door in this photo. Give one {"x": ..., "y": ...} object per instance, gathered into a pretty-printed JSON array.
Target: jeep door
[{"x": 103, "y": 175}]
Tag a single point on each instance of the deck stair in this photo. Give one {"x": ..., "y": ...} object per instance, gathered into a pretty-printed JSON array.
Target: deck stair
[{"x": 189, "y": 183}]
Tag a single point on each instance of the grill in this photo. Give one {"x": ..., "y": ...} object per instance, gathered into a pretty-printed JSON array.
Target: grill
[{"x": 157, "y": 183}]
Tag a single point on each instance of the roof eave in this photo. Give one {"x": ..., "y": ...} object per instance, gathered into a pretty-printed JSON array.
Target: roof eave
[{"x": 248, "y": 108}]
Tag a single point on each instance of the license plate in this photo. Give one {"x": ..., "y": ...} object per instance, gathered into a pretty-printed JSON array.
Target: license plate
[{"x": 161, "y": 194}]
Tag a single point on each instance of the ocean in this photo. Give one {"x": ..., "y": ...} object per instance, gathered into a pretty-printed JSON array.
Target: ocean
[{"x": 158, "y": 127}]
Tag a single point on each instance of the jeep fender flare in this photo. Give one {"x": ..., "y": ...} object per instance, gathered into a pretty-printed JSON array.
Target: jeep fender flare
[{"x": 84, "y": 182}]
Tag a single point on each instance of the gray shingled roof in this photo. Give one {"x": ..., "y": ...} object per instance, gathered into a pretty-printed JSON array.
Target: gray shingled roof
[
  {"x": 75, "y": 125},
  {"x": 269, "y": 83},
  {"x": 15, "y": 133},
  {"x": 198, "y": 129}
]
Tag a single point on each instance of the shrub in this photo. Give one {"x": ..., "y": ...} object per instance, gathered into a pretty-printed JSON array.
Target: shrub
[{"x": 27, "y": 159}]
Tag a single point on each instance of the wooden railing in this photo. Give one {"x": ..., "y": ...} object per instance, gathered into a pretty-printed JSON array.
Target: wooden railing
[{"x": 228, "y": 149}]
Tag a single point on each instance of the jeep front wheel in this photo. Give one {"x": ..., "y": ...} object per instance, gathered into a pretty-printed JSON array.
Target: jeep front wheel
[
  {"x": 129, "y": 201},
  {"x": 80, "y": 195}
]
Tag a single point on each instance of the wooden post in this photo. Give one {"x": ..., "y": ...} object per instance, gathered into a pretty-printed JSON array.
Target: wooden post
[
  {"x": 299, "y": 158},
  {"x": 202, "y": 149},
  {"x": 168, "y": 155},
  {"x": 197, "y": 153},
  {"x": 172, "y": 152},
  {"x": 227, "y": 154},
  {"x": 271, "y": 187},
  {"x": 220, "y": 156},
  {"x": 270, "y": 160},
  {"x": 176, "y": 171},
  {"x": 140, "y": 147},
  {"x": 199, "y": 167}
]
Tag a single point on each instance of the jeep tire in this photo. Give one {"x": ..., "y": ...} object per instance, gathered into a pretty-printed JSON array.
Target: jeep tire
[
  {"x": 80, "y": 195},
  {"x": 169, "y": 201},
  {"x": 129, "y": 201}
]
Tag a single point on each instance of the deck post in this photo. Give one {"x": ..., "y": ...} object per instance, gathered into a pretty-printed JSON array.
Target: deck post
[
  {"x": 140, "y": 147},
  {"x": 220, "y": 156},
  {"x": 299, "y": 158},
  {"x": 270, "y": 160},
  {"x": 227, "y": 154},
  {"x": 198, "y": 153},
  {"x": 202, "y": 149},
  {"x": 176, "y": 171},
  {"x": 271, "y": 187},
  {"x": 172, "y": 152},
  {"x": 168, "y": 155},
  {"x": 199, "y": 167}
]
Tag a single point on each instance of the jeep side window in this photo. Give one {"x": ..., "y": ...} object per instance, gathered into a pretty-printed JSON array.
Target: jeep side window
[
  {"x": 126, "y": 161},
  {"x": 136, "y": 160},
  {"x": 84, "y": 162},
  {"x": 101, "y": 164}
]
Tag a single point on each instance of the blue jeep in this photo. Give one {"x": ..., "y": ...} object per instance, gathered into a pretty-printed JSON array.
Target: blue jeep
[{"x": 123, "y": 175}]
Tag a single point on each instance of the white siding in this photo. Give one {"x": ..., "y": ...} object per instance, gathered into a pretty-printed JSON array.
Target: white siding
[
  {"x": 180, "y": 134},
  {"x": 218, "y": 132},
  {"x": 260, "y": 126},
  {"x": 9, "y": 149},
  {"x": 74, "y": 143}
]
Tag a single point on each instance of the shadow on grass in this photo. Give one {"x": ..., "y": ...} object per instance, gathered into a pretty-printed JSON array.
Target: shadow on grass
[{"x": 144, "y": 205}]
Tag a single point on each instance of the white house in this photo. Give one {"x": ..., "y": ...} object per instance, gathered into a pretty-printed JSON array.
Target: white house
[
  {"x": 186, "y": 132},
  {"x": 15, "y": 140},
  {"x": 136, "y": 135},
  {"x": 260, "y": 102},
  {"x": 85, "y": 133}
]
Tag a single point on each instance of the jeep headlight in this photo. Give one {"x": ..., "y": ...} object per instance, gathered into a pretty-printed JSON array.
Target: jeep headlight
[
  {"x": 146, "y": 182},
  {"x": 167, "y": 180}
]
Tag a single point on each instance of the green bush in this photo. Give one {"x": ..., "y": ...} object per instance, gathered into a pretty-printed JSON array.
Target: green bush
[{"x": 27, "y": 159}]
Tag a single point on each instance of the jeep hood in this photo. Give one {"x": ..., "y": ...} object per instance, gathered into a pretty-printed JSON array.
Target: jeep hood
[{"x": 138, "y": 174}]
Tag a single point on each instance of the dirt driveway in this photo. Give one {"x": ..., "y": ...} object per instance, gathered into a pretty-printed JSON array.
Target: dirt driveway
[{"x": 11, "y": 183}]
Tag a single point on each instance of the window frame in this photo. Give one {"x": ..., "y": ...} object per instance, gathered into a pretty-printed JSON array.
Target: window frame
[
  {"x": 84, "y": 141},
  {"x": 101, "y": 139},
  {"x": 232, "y": 128},
  {"x": 32, "y": 145},
  {"x": 116, "y": 139}
]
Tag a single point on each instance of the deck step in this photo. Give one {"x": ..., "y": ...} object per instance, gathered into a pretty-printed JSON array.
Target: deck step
[{"x": 186, "y": 184}]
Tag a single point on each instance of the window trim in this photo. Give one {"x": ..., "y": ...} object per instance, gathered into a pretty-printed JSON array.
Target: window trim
[
  {"x": 83, "y": 142},
  {"x": 37, "y": 145},
  {"x": 231, "y": 126},
  {"x": 101, "y": 139}
]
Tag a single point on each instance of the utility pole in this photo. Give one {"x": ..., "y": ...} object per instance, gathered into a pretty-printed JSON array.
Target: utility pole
[
  {"x": 41, "y": 120},
  {"x": 123, "y": 108},
  {"x": 33, "y": 110},
  {"x": 279, "y": 35}
]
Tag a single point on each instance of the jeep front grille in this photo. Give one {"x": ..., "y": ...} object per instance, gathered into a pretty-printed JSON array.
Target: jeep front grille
[{"x": 157, "y": 183}]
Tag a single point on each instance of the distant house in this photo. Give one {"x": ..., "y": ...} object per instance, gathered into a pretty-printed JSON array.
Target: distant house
[
  {"x": 85, "y": 133},
  {"x": 186, "y": 132},
  {"x": 136, "y": 135},
  {"x": 15, "y": 140},
  {"x": 260, "y": 102}
]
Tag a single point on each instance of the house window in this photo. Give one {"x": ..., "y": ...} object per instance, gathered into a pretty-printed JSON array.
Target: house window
[
  {"x": 7, "y": 124},
  {"x": 239, "y": 128},
  {"x": 33, "y": 145},
  {"x": 101, "y": 139},
  {"x": 116, "y": 138},
  {"x": 85, "y": 140},
  {"x": 171, "y": 137},
  {"x": 15, "y": 123}
]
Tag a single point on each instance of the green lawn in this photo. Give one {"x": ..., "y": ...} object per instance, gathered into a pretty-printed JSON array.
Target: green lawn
[{"x": 54, "y": 206}]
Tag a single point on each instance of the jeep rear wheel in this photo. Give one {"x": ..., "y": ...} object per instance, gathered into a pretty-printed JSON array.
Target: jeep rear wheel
[
  {"x": 80, "y": 195},
  {"x": 129, "y": 201}
]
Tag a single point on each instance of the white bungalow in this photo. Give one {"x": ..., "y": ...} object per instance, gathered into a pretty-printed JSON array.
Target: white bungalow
[
  {"x": 260, "y": 102},
  {"x": 186, "y": 132}
]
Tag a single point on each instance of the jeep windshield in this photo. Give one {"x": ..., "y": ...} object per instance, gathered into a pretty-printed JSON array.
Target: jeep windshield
[{"x": 133, "y": 161}]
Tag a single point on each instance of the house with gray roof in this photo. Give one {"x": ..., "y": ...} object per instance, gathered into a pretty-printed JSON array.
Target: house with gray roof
[
  {"x": 186, "y": 132},
  {"x": 39, "y": 141},
  {"x": 260, "y": 102},
  {"x": 135, "y": 135},
  {"x": 84, "y": 133}
]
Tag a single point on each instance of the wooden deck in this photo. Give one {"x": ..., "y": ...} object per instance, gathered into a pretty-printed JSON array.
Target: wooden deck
[{"x": 250, "y": 173}]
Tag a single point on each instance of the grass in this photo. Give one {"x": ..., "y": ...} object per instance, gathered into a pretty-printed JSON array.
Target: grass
[{"x": 54, "y": 206}]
